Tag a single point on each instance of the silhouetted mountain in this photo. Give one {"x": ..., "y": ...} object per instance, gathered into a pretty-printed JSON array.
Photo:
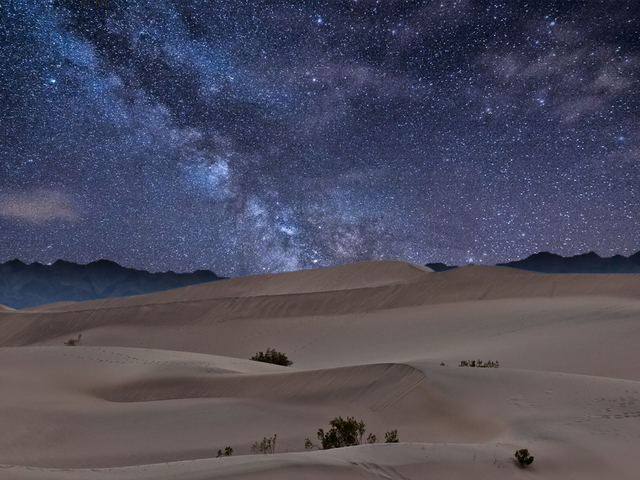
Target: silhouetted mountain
[
  {"x": 23, "y": 285},
  {"x": 591, "y": 262},
  {"x": 439, "y": 267}
]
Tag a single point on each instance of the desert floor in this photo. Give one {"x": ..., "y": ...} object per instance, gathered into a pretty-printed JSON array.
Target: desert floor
[{"x": 159, "y": 383}]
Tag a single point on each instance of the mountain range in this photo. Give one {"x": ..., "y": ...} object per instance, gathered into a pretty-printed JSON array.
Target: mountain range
[
  {"x": 591, "y": 262},
  {"x": 545, "y": 262},
  {"x": 23, "y": 285}
]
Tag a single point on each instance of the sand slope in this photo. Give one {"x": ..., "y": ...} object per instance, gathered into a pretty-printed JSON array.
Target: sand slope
[{"x": 160, "y": 382}]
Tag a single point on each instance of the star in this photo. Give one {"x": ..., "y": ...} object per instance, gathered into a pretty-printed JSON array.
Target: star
[{"x": 287, "y": 135}]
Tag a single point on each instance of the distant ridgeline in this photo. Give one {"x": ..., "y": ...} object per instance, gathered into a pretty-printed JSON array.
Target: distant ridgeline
[
  {"x": 24, "y": 285},
  {"x": 591, "y": 262},
  {"x": 546, "y": 262}
]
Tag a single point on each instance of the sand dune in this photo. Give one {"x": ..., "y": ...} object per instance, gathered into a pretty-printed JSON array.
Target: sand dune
[{"x": 159, "y": 383}]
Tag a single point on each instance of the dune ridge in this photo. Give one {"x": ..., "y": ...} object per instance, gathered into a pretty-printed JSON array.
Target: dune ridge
[
  {"x": 382, "y": 385},
  {"x": 417, "y": 287}
]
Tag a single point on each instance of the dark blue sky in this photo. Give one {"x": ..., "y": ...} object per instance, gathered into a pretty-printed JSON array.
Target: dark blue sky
[{"x": 262, "y": 136}]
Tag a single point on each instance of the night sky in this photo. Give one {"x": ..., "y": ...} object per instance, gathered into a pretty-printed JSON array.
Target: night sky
[{"x": 264, "y": 136}]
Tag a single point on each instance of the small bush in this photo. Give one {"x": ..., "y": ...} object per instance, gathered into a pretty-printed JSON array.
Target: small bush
[
  {"x": 523, "y": 457},
  {"x": 272, "y": 356},
  {"x": 267, "y": 445},
  {"x": 391, "y": 437},
  {"x": 228, "y": 451},
  {"x": 343, "y": 433},
  {"x": 479, "y": 364},
  {"x": 346, "y": 433},
  {"x": 73, "y": 341}
]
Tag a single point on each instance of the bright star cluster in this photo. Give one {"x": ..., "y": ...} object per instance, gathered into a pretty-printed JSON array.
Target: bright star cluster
[{"x": 263, "y": 136}]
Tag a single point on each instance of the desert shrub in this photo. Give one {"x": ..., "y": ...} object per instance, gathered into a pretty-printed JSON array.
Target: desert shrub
[
  {"x": 346, "y": 433},
  {"x": 523, "y": 457},
  {"x": 343, "y": 433},
  {"x": 272, "y": 356},
  {"x": 267, "y": 445},
  {"x": 228, "y": 451},
  {"x": 73, "y": 341},
  {"x": 479, "y": 364},
  {"x": 391, "y": 437}
]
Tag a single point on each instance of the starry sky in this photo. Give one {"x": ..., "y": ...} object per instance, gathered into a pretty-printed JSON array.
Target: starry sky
[{"x": 264, "y": 136}]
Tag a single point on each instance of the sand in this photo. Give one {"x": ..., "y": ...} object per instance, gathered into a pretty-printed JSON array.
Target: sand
[{"x": 159, "y": 383}]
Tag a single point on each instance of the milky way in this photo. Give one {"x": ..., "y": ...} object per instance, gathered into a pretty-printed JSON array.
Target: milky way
[{"x": 265, "y": 136}]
